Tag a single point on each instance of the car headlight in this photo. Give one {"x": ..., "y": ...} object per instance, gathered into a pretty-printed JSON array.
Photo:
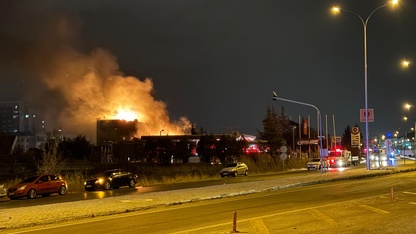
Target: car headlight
[
  {"x": 85, "y": 183},
  {"x": 99, "y": 181},
  {"x": 22, "y": 187}
]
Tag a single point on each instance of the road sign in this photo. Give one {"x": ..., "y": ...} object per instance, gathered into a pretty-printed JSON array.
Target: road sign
[
  {"x": 283, "y": 156},
  {"x": 370, "y": 114},
  {"x": 308, "y": 142}
]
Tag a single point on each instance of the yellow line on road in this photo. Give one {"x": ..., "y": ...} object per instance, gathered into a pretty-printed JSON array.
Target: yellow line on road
[
  {"x": 409, "y": 193},
  {"x": 412, "y": 203},
  {"x": 259, "y": 226},
  {"x": 370, "y": 208},
  {"x": 322, "y": 216}
]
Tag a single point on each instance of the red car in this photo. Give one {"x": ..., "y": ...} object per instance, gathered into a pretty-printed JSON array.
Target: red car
[{"x": 38, "y": 185}]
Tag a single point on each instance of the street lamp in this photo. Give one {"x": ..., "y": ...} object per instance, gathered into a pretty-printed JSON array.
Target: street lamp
[
  {"x": 318, "y": 116},
  {"x": 337, "y": 10},
  {"x": 408, "y": 106},
  {"x": 405, "y": 63},
  {"x": 160, "y": 132}
]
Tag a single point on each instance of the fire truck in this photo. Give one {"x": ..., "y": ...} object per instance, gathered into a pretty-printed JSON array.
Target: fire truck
[{"x": 342, "y": 158}]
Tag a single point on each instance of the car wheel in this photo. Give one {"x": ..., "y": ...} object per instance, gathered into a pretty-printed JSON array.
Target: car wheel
[
  {"x": 235, "y": 174},
  {"x": 132, "y": 183},
  {"x": 31, "y": 194},
  {"x": 246, "y": 173},
  {"x": 222, "y": 176},
  {"x": 107, "y": 185},
  {"x": 62, "y": 190}
]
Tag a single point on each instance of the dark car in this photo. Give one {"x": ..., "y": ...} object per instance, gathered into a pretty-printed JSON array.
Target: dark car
[
  {"x": 36, "y": 185},
  {"x": 112, "y": 179}
]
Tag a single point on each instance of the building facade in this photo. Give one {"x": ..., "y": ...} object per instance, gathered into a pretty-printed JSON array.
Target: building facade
[{"x": 25, "y": 121}]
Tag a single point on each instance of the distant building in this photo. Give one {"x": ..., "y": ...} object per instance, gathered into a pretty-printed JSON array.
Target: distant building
[
  {"x": 25, "y": 121},
  {"x": 110, "y": 131},
  {"x": 115, "y": 130}
]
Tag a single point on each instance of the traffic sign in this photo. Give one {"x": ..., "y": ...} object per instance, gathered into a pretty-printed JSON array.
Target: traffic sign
[
  {"x": 308, "y": 142},
  {"x": 283, "y": 156},
  {"x": 370, "y": 114}
]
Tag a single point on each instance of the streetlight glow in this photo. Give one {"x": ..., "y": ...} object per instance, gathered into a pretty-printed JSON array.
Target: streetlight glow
[
  {"x": 335, "y": 10},
  {"x": 405, "y": 63},
  {"x": 364, "y": 24},
  {"x": 407, "y": 106}
]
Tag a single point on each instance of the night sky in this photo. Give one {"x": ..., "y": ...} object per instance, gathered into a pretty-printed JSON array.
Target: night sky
[{"x": 217, "y": 62}]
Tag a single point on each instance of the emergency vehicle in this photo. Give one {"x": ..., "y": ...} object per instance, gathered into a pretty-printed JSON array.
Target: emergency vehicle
[{"x": 342, "y": 158}]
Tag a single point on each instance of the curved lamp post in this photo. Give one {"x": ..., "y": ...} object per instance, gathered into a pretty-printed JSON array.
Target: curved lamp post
[
  {"x": 318, "y": 115},
  {"x": 364, "y": 22}
]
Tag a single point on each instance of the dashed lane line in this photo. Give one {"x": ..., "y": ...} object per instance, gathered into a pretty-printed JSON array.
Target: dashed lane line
[
  {"x": 322, "y": 216},
  {"x": 259, "y": 226},
  {"x": 370, "y": 208}
]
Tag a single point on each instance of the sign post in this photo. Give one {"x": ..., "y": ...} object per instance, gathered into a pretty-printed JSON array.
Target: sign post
[{"x": 283, "y": 155}]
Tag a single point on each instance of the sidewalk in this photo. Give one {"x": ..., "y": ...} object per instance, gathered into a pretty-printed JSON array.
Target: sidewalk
[{"x": 61, "y": 212}]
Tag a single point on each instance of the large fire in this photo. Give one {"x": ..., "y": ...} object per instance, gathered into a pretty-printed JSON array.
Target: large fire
[
  {"x": 95, "y": 89},
  {"x": 126, "y": 115}
]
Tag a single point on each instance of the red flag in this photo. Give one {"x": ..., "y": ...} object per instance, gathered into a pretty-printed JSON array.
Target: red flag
[{"x": 305, "y": 126}]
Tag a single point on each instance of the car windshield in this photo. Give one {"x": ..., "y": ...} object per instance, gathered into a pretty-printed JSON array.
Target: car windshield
[
  {"x": 30, "y": 179},
  {"x": 231, "y": 165}
]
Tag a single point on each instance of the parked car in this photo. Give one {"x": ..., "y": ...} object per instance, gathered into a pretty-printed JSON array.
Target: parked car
[
  {"x": 234, "y": 169},
  {"x": 44, "y": 185},
  {"x": 3, "y": 191},
  {"x": 112, "y": 179},
  {"x": 315, "y": 164}
]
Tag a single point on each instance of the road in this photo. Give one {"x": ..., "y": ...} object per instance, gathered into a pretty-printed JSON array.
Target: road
[{"x": 375, "y": 205}]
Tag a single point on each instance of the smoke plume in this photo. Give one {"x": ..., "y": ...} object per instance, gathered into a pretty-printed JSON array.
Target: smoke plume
[{"x": 44, "y": 61}]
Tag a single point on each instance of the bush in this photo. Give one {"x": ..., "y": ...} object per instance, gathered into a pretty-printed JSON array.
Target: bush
[{"x": 150, "y": 174}]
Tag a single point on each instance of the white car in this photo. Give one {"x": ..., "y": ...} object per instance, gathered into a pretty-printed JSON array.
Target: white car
[
  {"x": 3, "y": 191},
  {"x": 315, "y": 164},
  {"x": 234, "y": 169}
]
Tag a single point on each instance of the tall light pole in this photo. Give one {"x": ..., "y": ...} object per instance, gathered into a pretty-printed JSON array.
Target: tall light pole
[
  {"x": 365, "y": 23},
  {"x": 318, "y": 116},
  {"x": 293, "y": 137},
  {"x": 160, "y": 132},
  {"x": 408, "y": 106}
]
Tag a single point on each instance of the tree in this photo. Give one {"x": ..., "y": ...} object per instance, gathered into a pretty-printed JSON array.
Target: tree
[
  {"x": 285, "y": 126},
  {"x": 183, "y": 149},
  {"x": 206, "y": 147},
  {"x": 346, "y": 138},
  {"x": 78, "y": 148},
  {"x": 273, "y": 129},
  {"x": 52, "y": 160}
]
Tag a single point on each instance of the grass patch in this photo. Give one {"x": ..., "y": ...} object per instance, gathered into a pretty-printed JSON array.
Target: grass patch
[{"x": 175, "y": 173}]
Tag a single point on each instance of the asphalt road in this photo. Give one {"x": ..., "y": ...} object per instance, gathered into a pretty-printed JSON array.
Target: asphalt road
[{"x": 375, "y": 205}]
